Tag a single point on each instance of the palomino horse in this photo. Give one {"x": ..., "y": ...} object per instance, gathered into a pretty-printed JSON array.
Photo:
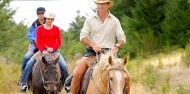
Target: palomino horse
[
  {"x": 109, "y": 77},
  {"x": 46, "y": 75}
]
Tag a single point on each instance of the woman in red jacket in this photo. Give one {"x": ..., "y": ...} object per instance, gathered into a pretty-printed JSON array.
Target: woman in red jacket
[{"x": 48, "y": 41}]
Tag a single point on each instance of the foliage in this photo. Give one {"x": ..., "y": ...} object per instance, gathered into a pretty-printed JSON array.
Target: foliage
[
  {"x": 165, "y": 87},
  {"x": 13, "y": 38},
  {"x": 9, "y": 76},
  {"x": 186, "y": 58},
  {"x": 152, "y": 28},
  {"x": 71, "y": 43},
  {"x": 5, "y": 19},
  {"x": 176, "y": 23},
  {"x": 122, "y": 7},
  {"x": 151, "y": 76},
  {"x": 181, "y": 90}
]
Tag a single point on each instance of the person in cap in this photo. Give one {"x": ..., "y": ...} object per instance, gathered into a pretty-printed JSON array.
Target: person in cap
[
  {"x": 101, "y": 31},
  {"x": 32, "y": 39},
  {"x": 48, "y": 41}
]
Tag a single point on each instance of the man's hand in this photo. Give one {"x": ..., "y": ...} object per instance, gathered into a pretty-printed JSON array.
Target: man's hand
[
  {"x": 115, "y": 50},
  {"x": 97, "y": 48}
]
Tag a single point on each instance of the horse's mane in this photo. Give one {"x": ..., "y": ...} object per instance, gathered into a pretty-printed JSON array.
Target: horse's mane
[{"x": 102, "y": 64}]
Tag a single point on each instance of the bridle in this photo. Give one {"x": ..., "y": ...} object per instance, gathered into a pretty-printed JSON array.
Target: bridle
[
  {"x": 109, "y": 79},
  {"x": 49, "y": 66}
]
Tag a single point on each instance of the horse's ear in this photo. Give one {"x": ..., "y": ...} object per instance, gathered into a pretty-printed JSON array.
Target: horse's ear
[
  {"x": 125, "y": 60},
  {"x": 44, "y": 60},
  {"x": 110, "y": 60},
  {"x": 56, "y": 60}
]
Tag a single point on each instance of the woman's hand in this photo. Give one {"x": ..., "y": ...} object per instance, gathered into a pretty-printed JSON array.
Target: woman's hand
[
  {"x": 44, "y": 52},
  {"x": 49, "y": 49}
]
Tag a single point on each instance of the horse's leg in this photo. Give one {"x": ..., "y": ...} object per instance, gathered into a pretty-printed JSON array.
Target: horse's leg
[{"x": 34, "y": 90}]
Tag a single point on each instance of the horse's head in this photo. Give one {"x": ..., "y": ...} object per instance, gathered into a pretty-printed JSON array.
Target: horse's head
[
  {"x": 50, "y": 74},
  {"x": 117, "y": 76}
]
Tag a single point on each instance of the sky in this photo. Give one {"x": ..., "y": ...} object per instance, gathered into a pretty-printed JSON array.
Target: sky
[{"x": 65, "y": 10}]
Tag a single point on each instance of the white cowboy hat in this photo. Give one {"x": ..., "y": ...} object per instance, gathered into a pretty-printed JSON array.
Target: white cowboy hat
[{"x": 105, "y": 1}]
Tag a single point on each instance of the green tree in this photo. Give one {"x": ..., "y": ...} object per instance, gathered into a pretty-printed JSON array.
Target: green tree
[
  {"x": 5, "y": 18},
  {"x": 71, "y": 43},
  {"x": 175, "y": 29},
  {"x": 122, "y": 8},
  {"x": 13, "y": 38},
  {"x": 143, "y": 27}
]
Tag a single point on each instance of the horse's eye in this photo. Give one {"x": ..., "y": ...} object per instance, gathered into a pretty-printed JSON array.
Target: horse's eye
[
  {"x": 45, "y": 76},
  {"x": 111, "y": 78},
  {"x": 56, "y": 75}
]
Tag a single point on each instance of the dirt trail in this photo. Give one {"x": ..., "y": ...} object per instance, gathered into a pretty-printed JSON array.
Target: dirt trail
[{"x": 171, "y": 65}]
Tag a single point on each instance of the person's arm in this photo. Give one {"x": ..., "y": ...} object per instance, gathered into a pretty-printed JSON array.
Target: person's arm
[
  {"x": 59, "y": 39},
  {"x": 121, "y": 38},
  {"x": 84, "y": 37},
  {"x": 32, "y": 34},
  {"x": 39, "y": 41}
]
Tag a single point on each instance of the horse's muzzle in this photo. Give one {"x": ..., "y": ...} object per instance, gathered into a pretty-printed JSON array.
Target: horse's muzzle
[{"x": 52, "y": 92}]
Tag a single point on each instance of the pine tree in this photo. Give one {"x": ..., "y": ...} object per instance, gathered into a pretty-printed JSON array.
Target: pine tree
[
  {"x": 71, "y": 43},
  {"x": 144, "y": 26}
]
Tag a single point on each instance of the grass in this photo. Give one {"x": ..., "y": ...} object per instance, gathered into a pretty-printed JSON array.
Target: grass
[
  {"x": 9, "y": 76},
  {"x": 181, "y": 90},
  {"x": 152, "y": 79},
  {"x": 157, "y": 79},
  {"x": 165, "y": 87},
  {"x": 186, "y": 58}
]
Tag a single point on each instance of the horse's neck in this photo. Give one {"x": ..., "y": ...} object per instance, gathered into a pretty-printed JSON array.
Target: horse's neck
[
  {"x": 58, "y": 70},
  {"x": 100, "y": 83}
]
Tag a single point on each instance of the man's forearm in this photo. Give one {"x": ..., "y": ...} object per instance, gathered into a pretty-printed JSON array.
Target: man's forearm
[
  {"x": 121, "y": 43},
  {"x": 87, "y": 42}
]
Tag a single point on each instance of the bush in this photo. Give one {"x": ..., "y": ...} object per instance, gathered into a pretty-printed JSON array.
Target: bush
[{"x": 186, "y": 58}]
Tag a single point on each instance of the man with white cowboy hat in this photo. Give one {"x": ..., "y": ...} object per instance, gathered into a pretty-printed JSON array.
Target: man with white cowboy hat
[
  {"x": 101, "y": 31},
  {"x": 105, "y": 1}
]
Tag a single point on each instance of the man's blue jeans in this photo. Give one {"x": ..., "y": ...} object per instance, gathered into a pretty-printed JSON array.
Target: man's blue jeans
[
  {"x": 27, "y": 56},
  {"x": 32, "y": 61}
]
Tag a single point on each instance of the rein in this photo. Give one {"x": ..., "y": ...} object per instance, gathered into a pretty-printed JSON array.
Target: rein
[
  {"x": 42, "y": 75},
  {"x": 109, "y": 85},
  {"x": 108, "y": 75}
]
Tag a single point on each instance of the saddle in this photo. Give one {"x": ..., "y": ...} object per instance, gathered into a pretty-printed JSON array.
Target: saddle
[{"x": 87, "y": 77}]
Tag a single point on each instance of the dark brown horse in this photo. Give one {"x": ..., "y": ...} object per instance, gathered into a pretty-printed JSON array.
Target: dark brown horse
[{"x": 46, "y": 75}]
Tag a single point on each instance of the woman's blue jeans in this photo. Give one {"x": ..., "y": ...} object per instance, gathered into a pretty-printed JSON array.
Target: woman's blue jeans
[{"x": 32, "y": 61}]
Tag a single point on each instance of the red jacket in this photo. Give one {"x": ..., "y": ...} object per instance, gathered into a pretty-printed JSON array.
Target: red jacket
[{"x": 48, "y": 38}]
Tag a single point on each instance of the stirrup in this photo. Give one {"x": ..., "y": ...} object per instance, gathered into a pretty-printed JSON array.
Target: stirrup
[{"x": 68, "y": 83}]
